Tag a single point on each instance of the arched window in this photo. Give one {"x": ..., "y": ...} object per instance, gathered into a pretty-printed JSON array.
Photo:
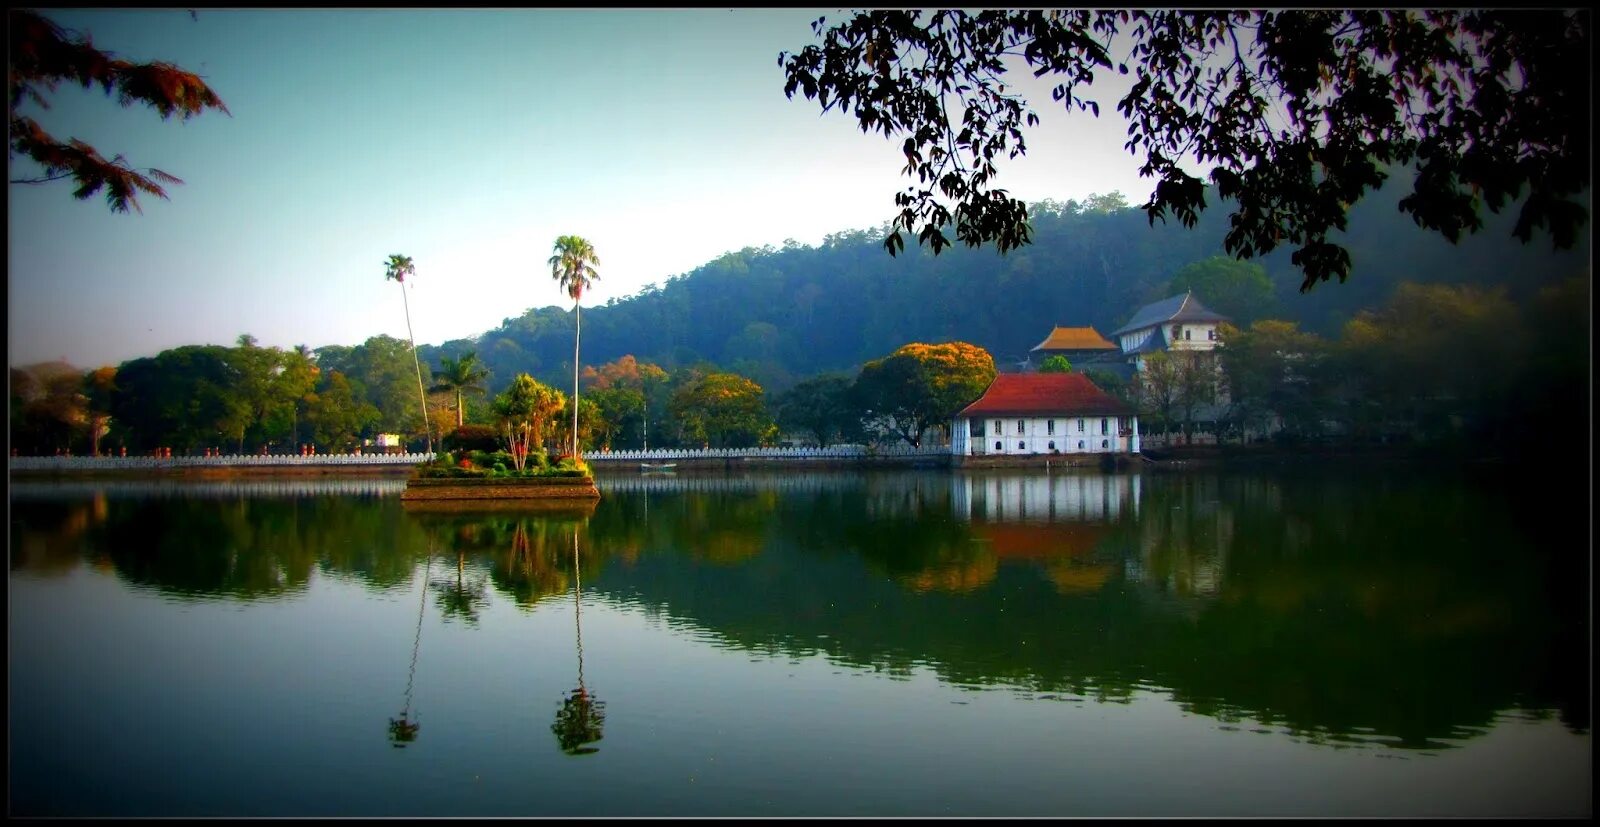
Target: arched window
[
  {"x": 1104, "y": 444},
  {"x": 1080, "y": 445},
  {"x": 997, "y": 445},
  {"x": 1020, "y": 446},
  {"x": 1052, "y": 446}
]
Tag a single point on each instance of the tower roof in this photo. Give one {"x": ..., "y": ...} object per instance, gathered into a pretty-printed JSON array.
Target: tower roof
[{"x": 1184, "y": 308}]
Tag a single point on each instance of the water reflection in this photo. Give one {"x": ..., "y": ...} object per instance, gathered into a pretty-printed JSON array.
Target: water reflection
[
  {"x": 582, "y": 716},
  {"x": 1402, "y": 609},
  {"x": 403, "y": 730}
]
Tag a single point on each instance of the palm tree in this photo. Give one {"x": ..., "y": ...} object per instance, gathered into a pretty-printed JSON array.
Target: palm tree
[
  {"x": 398, "y": 268},
  {"x": 462, "y": 375},
  {"x": 572, "y": 267}
]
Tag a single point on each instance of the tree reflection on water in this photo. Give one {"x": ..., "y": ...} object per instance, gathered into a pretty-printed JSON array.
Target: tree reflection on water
[{"x": 581, "y": 716}]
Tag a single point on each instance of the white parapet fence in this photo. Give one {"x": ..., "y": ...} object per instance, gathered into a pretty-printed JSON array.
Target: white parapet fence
[
  {"x": 833, "y": 452},
  {"x": 226, "y": 461}
]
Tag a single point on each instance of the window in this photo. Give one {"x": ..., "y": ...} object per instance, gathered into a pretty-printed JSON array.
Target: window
[
  {"x": 998, "y": 428},
  {"x": 1052, "y": 446},
  {"x": 1080, "y": 429},
  {"x": 1080, "y": 445},
  {"x": 1104, "y": 429},
  {"x": 1020, "y": 446},
  {"x": 997, "y": 445},
  {"x": 1050, "y": 429},
  {"x": 1019, "y": 427},
  {"x": 1186, "y": 336},
  {"x": 1104, "y": 444},
  {"x": 1211, "y": 335}
]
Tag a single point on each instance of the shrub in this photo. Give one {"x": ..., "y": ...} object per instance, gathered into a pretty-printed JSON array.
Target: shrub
[{"x": 472, "y": 438}]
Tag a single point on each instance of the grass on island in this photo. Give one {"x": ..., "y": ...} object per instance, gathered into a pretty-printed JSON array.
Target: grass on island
[{"x": 499, "y": 465}]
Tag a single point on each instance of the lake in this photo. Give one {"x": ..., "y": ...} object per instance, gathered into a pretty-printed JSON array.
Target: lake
[{"x": 1293, "y": 643}]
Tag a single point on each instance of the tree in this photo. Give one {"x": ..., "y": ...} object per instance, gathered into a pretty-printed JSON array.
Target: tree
[
  {"x": 397, "y": 268},
  {"x": 463, "y": 375},
  {"x": 572, "y": 266},
  {"x": 336, "y": 414},
  {"x": 523, "y": 409},
  {"x": 821, "y": 406},
  {"x": 43, "y": 55},
  {"x": 98, "y": 387},
  {"x": 922, "y": 386},
  {"x": 1055, "y": 363},
  {"x": 1273, "y": 368},
  {"x": 1294, "y": 115},
  {"x": 1237, "y": 289},
  {"x": 628, "y": 373},
  {"x": 615, "y": 407},
  {"x": 722, "y": 410},
  {"x": 1178, "y": 382}
]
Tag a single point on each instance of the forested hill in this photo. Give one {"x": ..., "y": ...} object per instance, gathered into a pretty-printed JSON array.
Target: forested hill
[{"x": 781, "y": 315}]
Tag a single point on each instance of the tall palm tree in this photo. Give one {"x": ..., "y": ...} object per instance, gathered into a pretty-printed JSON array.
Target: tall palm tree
[
  {"x": 461, "y": 376},
  {"x": 398, "y": 268},
  {"x": 572, "y": 267}
]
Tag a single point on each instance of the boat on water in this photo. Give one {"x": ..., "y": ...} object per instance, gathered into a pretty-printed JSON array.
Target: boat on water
[{"x": 658, "y": 467}]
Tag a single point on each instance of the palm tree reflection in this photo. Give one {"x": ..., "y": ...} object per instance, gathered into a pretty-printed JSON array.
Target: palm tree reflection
[
  {"x": 582, "y": 715},
  {"x": 461, "y": 598},
  {"x": 403, "y": 730}
]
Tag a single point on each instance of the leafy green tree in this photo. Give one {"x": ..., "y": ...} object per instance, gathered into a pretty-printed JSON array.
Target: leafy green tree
[
  {"x": 1055, "y": 363},
  {"x": 921, "y": 386},
  {"x": 463, "y": 375},
  {"x": 628, "y": 373},
  {"x": 822, "y": 406},
  {"x": 1237, "y": 289},
  {"x": 615, "y": 408},
  {"x": 42, "y": 55},
  {"x": 723, "y": 410},
  {"x": 590, "y": 426},
  {"x": 572, "y": 266},
  {"x": 523, "y": 409},
  {"x": 1291, "y": 115},
  {"x": 294, "y": 388},
  {"x": 336, "y": 413},
  {"x": 1275, "y": 369},
  {"x": 180, "y": 398},
  {"x": 397, "y": 268},
  {"x": 377, "y": 372}
]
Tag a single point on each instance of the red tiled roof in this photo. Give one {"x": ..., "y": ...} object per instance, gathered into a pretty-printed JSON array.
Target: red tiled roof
[
  {"x": 1045, "y": 394},
  {"x": 1075, "y": 338}
]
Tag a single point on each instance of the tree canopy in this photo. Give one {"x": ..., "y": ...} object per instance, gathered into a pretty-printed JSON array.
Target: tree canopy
[
  {"x": 41, "y": 56},
  {"x": 921, "y": 386},
  {"x": 1292, "y": 115}
]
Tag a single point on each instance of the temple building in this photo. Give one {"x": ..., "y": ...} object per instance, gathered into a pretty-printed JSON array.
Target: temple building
[{"x": 1022, "y": 414}]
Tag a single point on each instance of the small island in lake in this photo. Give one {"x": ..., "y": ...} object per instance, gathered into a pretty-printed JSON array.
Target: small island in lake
[{"x": 477, "y": 476}]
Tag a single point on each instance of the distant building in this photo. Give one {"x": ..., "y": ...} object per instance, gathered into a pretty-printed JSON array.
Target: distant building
[
  {"x": 1044, "y": 413},
  {"x": 1082, "y": 346},
  {"x": 1176, "y": 323}
]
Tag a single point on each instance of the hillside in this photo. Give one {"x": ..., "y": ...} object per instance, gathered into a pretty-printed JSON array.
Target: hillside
[{"x": 780, "y": 315}]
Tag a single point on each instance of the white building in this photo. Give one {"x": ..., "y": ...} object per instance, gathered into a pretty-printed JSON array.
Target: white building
[
  {"x": 1176, "y": 323},
  {"x": 1023, "y": 414}
]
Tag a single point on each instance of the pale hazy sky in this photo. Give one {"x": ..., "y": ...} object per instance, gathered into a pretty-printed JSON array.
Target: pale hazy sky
[{"x": 468, "y": 140}]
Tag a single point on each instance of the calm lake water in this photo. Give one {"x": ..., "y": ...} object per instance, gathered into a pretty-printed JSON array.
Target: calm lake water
[{"x": 916, "y": 643}]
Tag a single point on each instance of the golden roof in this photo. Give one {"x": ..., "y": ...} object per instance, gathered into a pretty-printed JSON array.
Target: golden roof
[{"x": 1075, "y": 338}]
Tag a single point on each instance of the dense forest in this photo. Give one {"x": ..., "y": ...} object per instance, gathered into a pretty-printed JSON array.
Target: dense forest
[
  {"x": 807, "y": 341},
  {"x": 780, "y": 315}
]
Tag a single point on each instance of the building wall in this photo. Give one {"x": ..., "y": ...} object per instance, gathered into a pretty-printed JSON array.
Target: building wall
[{"x": 1035, "y": 435}]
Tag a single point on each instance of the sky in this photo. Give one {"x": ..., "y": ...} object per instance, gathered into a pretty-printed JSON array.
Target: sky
[{"x": 468, "y": 140}]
